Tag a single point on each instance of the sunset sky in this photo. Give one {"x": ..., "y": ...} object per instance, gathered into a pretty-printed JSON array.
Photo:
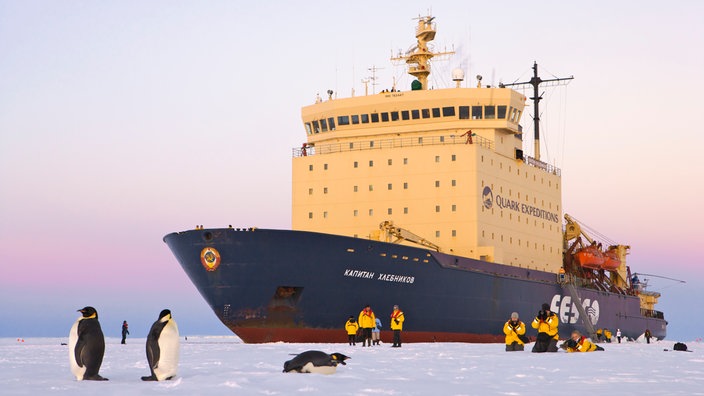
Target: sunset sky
[{"x": 122, "y": 121}]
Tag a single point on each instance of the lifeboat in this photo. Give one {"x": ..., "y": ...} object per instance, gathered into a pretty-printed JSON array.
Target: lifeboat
[
  {"x": 611, "y": 260},
  {"x": 590, "y": 257}
]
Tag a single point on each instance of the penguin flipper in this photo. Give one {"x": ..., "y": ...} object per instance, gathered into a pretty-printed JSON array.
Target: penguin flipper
[
  {"x": 153, "y": 353},
  {"x": 78, "y": 351}
]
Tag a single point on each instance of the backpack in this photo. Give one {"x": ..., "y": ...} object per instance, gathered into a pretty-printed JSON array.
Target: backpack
[{"x": 679, "y": 346}]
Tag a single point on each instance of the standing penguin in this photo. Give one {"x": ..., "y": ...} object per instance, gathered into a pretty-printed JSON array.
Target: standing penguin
[
  {"x": 162, "y": 348},
  {"x": 86, "y": 346}
]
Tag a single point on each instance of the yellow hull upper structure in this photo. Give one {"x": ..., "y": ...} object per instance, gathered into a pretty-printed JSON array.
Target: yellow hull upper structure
[{"x": 444, "y": 164}]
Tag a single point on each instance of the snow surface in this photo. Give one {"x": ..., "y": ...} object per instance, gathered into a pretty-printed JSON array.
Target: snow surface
[{"x": 226, "y": 366}]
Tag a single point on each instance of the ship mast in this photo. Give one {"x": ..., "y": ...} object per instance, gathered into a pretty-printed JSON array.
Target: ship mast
[
  {"x": 535, "y": 82},
  {"x": 418, "y": 57}
]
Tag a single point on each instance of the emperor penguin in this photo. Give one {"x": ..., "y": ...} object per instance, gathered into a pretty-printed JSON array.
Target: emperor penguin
[
  {"x": 86, "y": 346},
  {"x": 315, "y": 362},
  {"x": 162, "y": 348}
]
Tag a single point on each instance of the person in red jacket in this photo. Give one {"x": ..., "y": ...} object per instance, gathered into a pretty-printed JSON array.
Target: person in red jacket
[{"x": 367, "y": 321}]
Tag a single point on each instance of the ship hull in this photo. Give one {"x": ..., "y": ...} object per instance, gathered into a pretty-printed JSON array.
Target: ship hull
[{"x": 297, "y": 286}]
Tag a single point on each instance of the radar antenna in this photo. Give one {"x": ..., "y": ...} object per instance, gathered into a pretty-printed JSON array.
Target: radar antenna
[{"x": 418, "y": 56}]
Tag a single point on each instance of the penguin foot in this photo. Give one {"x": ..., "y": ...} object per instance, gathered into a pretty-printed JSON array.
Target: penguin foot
[
  {"x": 96, "y": 377},
  {"x": 149, "y": 378}
]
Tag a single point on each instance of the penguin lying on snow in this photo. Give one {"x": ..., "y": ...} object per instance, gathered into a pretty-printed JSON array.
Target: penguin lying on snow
[
  {"x": 86, "y": 346},
  {"x": 315, "y": 362},
  {"x": 162, "y": 348}
]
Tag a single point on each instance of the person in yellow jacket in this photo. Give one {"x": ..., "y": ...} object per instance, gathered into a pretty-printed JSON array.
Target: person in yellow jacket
[
  {"x": 580, "y": 343},
  {"x": 397, "y": 319},
  {"x": 366, "y": 321},
  {"x": 607, "y": 335},
  {"x": 514, "y": 330},
  {"x": 546, "y": 323},
  {"x": 351, "y": 326}
]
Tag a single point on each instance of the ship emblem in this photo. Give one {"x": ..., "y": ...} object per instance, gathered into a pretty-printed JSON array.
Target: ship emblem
[
  {"x": 210, "y": 258},
  {"x": 487, "y": 197}
]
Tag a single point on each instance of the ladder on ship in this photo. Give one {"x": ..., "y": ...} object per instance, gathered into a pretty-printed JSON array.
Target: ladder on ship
[{"x": 576, "y": 301}]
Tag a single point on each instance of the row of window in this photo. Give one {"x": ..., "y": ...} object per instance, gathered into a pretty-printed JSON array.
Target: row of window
[
  {"x": 389, "y": 162},
  {"x": 453, "y": 158},
  {"x": 453, "y": 183},
  {"x": 389, "y": 186},
  {"x": 501, "y": 112},
  {"x": 389, "y": 211}
]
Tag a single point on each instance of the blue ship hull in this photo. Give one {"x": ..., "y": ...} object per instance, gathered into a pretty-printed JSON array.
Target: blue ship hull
[{"x": 296, "y": 286}]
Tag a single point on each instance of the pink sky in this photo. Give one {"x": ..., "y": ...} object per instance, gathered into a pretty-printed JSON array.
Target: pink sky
[{"x": 123, "y": 121}]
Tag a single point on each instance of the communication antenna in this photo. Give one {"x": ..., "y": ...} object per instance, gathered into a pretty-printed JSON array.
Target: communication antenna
[
  {"x": 535, "y": 82},
  {"x": 373, "y": 78}
]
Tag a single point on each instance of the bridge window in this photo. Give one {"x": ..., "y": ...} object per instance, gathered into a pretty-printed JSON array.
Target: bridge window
[
  {"x": 316, "y": 127},
  {"x": 343, "y": 120},
  {"x": 405, "y": 115},
  {"x": 501, "y": 114},
  {"x": 355, "y": 119},
  {"x": 375, "y": 117},
  {"x": 489, "y": 112},
  {"x": 464, "y": 112},
  {"x": 364, "y": 118},
  {"x": 394, "y": 116},
  {"x": 308, "y": 128},
  {"x": 436, "y": 112},
  {"x": 384, "y": 117},
  {"x": 448, "y": 111},
  {"x": 426, "y": 113},
  {"x": 415, "y": 114},
  {"x": 476, "y": 112}
]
